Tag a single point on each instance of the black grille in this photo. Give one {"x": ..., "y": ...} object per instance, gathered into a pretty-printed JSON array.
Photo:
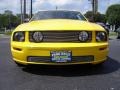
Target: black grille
[
  {"x": 60, "y": 36},
  {"x": 47, "y": 59}
]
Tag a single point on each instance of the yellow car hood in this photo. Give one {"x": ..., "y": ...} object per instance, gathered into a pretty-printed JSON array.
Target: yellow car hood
[{"x": 59, "y": 24}]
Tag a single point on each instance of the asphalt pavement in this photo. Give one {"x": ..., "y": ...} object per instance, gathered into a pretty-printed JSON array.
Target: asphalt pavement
[{"x": 77, "y": 77}]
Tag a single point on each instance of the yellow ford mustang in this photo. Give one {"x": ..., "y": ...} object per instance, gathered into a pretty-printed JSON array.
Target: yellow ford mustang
[{"x": 59, "y": 38}]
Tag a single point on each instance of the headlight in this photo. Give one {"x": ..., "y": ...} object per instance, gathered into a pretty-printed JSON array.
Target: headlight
[
  {"x": 19, "y": 36},
  {"x": 101, "y": 36},
  {"x": 83, "y": 36},
  {"x": 37, "y": 36}
]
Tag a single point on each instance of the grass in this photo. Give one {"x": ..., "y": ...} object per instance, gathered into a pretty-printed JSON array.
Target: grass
[
  {"x": 8, "y": 33},
  {"x": 113, "y": 34}
]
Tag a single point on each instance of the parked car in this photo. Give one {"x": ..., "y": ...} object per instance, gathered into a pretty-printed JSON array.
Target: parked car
[
  {"x": 104, "y": 26},
  {"x": 59, "y": 38}
]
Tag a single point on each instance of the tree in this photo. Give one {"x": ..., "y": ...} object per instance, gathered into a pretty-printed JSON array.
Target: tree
[
  {"x": 98, "y": 16},
  {"x": 9, "y": 20},
  {"x": 4, "y": 21},
  {"x": 15, "y": 20},
  {"x": 113, "y": 15},
  {"x": 8, "y": 12},
  {"x": 88, "y": 15}
]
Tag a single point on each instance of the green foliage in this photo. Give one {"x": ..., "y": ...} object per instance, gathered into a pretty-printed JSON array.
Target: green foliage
[
  {"x": 3, "y": 21},
  {"x": 88, "y": 15},
  {"x": 113, "y": 14},
  {"x": 9, "y": 20},
  {"x": 98, "y": 17}
]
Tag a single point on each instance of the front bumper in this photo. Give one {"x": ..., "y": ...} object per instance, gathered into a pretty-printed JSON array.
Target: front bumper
[{"x": 21, "y": 52}]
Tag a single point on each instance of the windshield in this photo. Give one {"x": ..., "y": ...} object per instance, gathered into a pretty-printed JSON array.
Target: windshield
[{"x": 58, "y": 15}]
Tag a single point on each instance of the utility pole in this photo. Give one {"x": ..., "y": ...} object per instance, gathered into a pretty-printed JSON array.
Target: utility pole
[
  {"x": 21, "y": 8},
  {"x": 31, "y": 8},
  {"x": 24, "y": 11},
  {"x": 94, "y": 8}
]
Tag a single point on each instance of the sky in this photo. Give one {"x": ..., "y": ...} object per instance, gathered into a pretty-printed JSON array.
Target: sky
[{"x": 79, "y": 5}]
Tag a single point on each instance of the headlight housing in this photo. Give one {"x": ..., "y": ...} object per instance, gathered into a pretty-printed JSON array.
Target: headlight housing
[
  {"x": 84, "y": 36},
  {"x": 101, "y": 36},
  {"x": 19, "y": 36},
  {"x": 36, "y": 36}
]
